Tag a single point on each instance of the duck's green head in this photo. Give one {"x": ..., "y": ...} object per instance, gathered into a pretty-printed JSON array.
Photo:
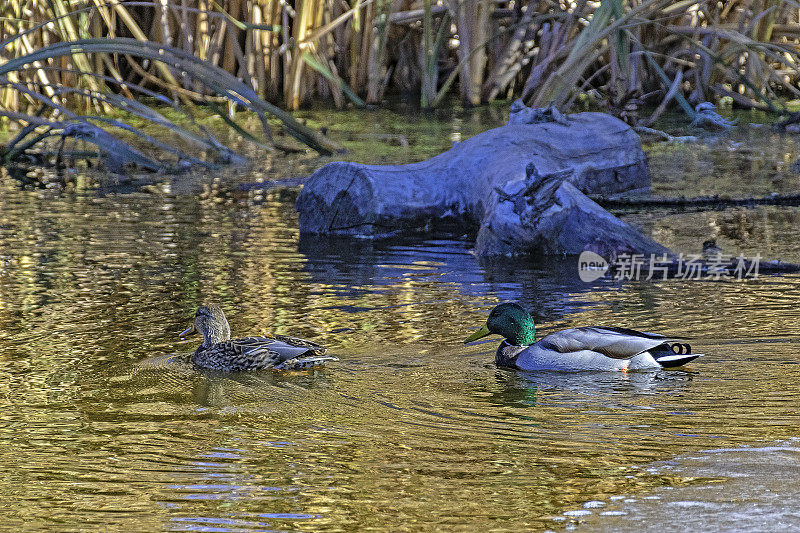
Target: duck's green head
[
  {"x": 211, "y": 322},
  {"x": 512, "y": 322}
]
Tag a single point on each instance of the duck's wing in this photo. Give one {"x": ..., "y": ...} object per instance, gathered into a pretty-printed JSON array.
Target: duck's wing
[
  {"x": 617, "y": 343},
  {"x": 278, "y": 348},
  {"x": 299, "y": 354},
  {"x": 296, "y": 342}
]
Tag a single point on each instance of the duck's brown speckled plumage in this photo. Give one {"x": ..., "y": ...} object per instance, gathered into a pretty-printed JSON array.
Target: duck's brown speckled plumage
[
  {"x": 252, "y": 353},
  {"x": 277, "y": 352}
]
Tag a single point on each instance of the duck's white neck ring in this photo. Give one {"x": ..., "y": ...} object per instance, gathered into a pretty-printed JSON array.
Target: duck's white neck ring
[{"x": 507, "y": 353}]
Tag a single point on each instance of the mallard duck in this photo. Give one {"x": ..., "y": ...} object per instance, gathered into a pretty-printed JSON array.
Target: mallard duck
[
  {"x": 589, "y": 348},
  {"x": 220, "y": 352}
]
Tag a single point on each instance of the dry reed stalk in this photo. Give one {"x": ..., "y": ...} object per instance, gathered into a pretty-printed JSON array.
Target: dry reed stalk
[
  {"x": 376, "y": 63},
  {"x": 673, "y": 89},
  {"x": 361, "y": 50},
  {"x": 511, "y": 60},
  {"x": 300, "y": 28},
  {"x": 428, "y": 61},
  {"x": 471, "y": 17}
]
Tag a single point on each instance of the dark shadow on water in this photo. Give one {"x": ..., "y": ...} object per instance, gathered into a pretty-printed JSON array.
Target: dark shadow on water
[
  {"x": 544, "y": 285},
  {"x": 266, "y": 387},
  {"x": 524, "y": 387},
  {"x": 605, "y": 382},
  {"x": 212, "y": 388}
]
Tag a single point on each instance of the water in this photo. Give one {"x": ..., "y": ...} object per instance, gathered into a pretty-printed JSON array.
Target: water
[
  {"x": 103, "y": 424},
  {"x": 745, "y": 488}
]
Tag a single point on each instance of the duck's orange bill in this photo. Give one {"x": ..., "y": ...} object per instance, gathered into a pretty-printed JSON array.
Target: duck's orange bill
[
  {"x": 188, "y": 331},
  {"x": 481, "y": 333}
]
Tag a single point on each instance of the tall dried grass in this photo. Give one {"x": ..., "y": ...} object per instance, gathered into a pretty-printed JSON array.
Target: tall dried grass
[{"x": 617, "y": 52}]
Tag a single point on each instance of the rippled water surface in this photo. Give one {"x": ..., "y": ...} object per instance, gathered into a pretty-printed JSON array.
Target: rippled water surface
[{"x": 104, "y": 424}]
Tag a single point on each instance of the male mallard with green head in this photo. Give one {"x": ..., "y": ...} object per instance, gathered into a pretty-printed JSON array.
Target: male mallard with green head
[
  {"x": 588, "y": 348},
  {"x": 277, "y": 352}
]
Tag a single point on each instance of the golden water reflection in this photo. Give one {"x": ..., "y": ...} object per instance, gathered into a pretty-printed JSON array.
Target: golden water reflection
[{"x": 410, "y": 430}]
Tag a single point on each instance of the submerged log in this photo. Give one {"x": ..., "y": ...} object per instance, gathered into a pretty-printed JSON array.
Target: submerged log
[
  {"x": 477, "y": 187},
  {"x": 705, "y": 202}
]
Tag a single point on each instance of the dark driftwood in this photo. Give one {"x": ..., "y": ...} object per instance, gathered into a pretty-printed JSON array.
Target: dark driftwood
[
  {"x": 697, "y": 201},
  {"x": 550, "y": 216}
]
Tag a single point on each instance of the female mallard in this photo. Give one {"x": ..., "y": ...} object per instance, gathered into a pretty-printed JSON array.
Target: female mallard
[
  {"x": 220, "y": 352},
  {"x": 590, "y": 348}
]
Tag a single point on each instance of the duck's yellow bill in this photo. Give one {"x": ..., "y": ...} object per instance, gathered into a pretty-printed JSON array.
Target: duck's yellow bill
[
  {"x": 481, "y": 333},
  {"x": 188, "y": 331}
]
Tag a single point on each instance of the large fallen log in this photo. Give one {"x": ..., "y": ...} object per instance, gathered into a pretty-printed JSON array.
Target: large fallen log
[{"x": 475, "y": 188}]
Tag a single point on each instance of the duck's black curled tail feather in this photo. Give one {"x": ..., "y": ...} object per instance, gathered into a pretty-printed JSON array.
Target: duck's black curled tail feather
[{"x": 674, "y": 354}]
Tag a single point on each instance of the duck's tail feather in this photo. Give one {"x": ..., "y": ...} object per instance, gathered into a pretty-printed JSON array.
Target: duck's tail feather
[
  {"x": 304, "y": 363},
  {"x": 674, "y": 354},
  {"x": 668, "y": 361}
]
